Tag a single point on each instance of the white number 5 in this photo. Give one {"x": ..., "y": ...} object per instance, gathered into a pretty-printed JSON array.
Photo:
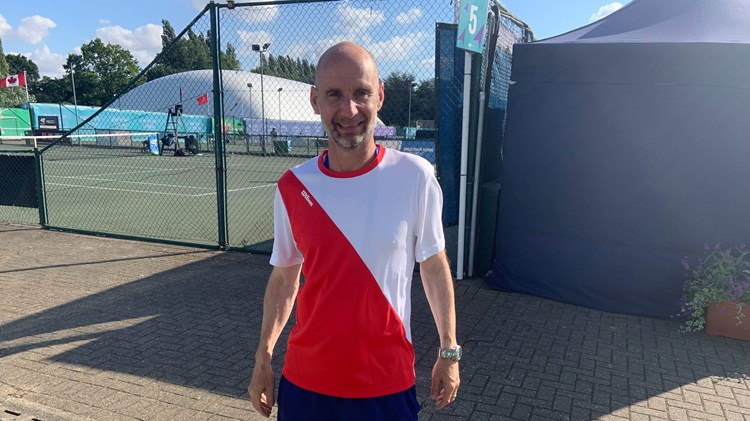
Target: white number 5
[{"x": 473, "y": 18}]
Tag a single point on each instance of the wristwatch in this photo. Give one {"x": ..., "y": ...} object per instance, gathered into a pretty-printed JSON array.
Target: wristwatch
[{"x": 451, "y": 353}]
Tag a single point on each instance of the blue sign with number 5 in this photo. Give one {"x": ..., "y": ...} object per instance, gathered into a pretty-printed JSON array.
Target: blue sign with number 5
[{"x": 472, "y": 25}]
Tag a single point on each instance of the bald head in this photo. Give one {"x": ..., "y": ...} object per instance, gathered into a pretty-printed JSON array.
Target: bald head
[{"x": 346, "y": 52}]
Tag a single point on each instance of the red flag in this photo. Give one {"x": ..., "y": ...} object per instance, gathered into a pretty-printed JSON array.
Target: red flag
[
  {"x": 13, "y": 80},
  {"x": 203, "y": 99}
]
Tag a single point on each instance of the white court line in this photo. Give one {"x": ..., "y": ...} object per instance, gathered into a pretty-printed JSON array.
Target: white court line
[
  {"x": 159, "y": 193},
  {"x": 129, "y": 172},
  {"x": 242, "y": 189},
  {"x": 124, "y": 190},
  {"x": 132, "y": 182}
]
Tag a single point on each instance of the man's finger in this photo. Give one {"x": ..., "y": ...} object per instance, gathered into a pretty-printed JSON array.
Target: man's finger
[{"x": 435, "y": 388}]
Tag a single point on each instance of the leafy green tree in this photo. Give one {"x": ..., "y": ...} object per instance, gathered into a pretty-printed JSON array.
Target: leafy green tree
[
  {"x": 395, "y": 111},
  {"x": 191, "y": 52},
  {"x": 3, "y": 63},
  {"x": 102, "y": 71},
  {"x": 229, "y": 58},
  {"x": 53, "y": 90},
  {"x": 19, "y": 64},
  {"x": 424, "y": 102},
  {"x": 9, "y": 97},
  {"x": 287, "y": 67}
]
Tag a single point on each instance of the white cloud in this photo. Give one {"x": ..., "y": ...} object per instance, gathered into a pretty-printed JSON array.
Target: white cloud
[
  {"x": 144, "y": 42},
  {"x": 248, "y": 38},
  {"x": 428, "y": 63},
  {"x": 34, "y": 29},
  {"x": 397, "y": 48},
  {"x": 5, "y": 27},
  {"x": 258, "y": 14},
  {"x": 412, "y": 15},
  {"x": 49, "y": 63},
  {"x": 605, "y": 10},
  {"x": 355, "y": 21}
]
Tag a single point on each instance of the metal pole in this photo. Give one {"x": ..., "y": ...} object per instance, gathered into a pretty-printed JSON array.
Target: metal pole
[
  {"x": 475, "y": 195},
  {"x": 262, "y": 105},
  {"x": 279, "y": 129},
  {"x": 219, "y": 154},
  {"x": 464, "y": 168},
  {"x": 410, "y": 89},
  {"x": 75, "y": 100},
  {"x": 250, "y": 118}
]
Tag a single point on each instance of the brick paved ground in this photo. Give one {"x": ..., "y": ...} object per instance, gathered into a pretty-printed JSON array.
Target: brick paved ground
[{"x": 105, "y": 329}]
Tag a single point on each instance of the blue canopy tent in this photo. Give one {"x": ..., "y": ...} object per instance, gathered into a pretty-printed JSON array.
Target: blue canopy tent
[{"x": 627, "y": 147}]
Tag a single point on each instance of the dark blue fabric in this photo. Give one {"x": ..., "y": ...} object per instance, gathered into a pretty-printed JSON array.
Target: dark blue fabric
[
  {"x": 449, "y": 84},
  {"x": 297, "y": 404},
  {"x": 616, "y": 166}
]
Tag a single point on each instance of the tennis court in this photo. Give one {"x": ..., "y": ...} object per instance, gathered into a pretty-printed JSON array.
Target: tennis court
[{"x": 130, "y": 192}]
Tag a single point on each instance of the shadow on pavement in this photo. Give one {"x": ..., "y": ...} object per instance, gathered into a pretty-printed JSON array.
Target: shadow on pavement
[{"x": 196, "y": 325}]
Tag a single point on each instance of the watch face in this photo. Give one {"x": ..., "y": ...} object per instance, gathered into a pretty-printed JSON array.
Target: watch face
[{"x": 452, "y": 353}]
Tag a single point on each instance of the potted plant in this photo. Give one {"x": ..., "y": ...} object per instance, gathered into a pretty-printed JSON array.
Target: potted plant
[{"x": 716, "y": 293}]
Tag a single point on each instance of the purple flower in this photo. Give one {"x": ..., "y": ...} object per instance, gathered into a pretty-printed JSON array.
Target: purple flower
[
  {"x": 706, "y": 247},
  {"x": 685, "y": 263}
]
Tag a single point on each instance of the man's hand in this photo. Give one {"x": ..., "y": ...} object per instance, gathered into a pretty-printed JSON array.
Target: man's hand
[
  {"x": 445, "y": 382},
  {"x": 262, "y": 387}
]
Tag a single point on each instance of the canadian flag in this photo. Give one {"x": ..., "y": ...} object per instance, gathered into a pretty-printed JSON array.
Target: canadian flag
[
  {"x": 203, "y": 99},
  {"x": 13, "y": 80}
]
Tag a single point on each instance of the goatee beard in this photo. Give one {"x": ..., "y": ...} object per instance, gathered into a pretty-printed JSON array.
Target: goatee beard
[{"x": 356, "y": 142}]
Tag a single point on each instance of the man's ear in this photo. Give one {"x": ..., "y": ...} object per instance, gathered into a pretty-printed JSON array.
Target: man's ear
[
  {"x": 314, "y": 99},
  {"x": 381, "y": 94}
]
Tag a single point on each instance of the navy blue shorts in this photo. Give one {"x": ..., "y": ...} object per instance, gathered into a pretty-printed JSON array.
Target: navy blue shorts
[{"x": 296, "y": 404}]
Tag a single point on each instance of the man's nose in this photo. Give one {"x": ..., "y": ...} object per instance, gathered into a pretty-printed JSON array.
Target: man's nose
[{"x": 348, "y": 107}]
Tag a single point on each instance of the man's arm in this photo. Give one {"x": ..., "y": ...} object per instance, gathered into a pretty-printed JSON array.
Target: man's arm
[
  {"x": 277, "y": 307},
  {"x": 438, "y": 286}
]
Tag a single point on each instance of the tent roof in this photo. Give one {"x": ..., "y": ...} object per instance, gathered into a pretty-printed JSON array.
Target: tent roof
[{"x": 679, "y": 21}]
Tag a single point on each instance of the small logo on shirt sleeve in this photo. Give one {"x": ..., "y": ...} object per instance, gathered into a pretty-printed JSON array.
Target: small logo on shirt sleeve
[{"x": 307, "y": 197}]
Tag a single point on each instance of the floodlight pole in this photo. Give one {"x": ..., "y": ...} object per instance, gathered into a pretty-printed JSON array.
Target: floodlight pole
[
  {"x": 250, "y": 117},
  {"x": 262, "y": 49},
  {"x": 280, "y": 89},
  {"x": 75, "y": 100},
  {"x": 411, "y": 88}
]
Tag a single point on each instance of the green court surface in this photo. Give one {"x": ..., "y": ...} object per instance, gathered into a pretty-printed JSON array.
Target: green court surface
[{"x": 163, "y": 197}]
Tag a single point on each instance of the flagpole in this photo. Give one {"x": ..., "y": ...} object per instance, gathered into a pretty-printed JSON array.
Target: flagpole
[{"x": 26, "y": 85}]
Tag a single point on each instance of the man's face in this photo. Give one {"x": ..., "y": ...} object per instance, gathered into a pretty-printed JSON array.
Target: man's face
[{"x": 348, "y": 97}]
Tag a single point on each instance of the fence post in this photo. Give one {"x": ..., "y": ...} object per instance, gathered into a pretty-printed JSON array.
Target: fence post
[
  {"x": 41, "y": 197},
  {"x": 221, "y": 173}
]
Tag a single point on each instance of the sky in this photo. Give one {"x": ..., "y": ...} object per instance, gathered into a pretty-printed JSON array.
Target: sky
[{"x": 45, "y": 31}]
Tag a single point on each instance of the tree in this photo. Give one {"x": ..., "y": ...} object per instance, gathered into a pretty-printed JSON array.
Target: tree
[
  {"x": 395, "y": 111},
  {"x": 19, "y": 64},
  {"x": 9, "y": 97},
  {"x": 424, "y": 101},
  {"x": 229, "y": 58},
  {"x": 102, "y": 71},
  {"x": 53, "y": 90},
  {"x": 287, "y": 68},
  {"x": 3, "y": 62},
  {"x": 190, "y": 52}
]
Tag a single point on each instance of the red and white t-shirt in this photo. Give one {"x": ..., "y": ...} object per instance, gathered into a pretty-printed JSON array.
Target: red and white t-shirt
[{"x": 357, "y": 235}]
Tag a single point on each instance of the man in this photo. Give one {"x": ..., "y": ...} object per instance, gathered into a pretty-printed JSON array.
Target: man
[{"x": 355, "y": 219}]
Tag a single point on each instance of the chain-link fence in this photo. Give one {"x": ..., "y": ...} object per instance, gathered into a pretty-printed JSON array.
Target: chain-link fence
[
  {"x": 18, "y": 186},
  {"x": 191, "y": 149}
]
